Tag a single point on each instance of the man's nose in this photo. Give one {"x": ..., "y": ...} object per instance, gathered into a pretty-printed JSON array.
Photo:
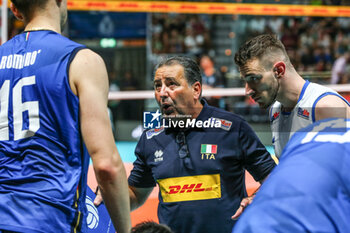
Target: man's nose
[
  {"x": 248, "y": 90},
  {"x": 163, "y": 91}
]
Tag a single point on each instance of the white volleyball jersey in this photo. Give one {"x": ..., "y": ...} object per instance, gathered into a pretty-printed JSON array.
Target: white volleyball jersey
[{"x": 285, "y": 124}]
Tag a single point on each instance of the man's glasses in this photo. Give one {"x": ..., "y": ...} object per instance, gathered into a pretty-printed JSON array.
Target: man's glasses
[{"x": 184, "y": 153}]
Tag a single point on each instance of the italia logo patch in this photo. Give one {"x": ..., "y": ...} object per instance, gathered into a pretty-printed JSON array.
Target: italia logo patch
[{"x": 208, "y": 151}]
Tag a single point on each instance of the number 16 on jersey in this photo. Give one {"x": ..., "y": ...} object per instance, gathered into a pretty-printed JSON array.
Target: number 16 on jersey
[{"x": 18, "y": 107}]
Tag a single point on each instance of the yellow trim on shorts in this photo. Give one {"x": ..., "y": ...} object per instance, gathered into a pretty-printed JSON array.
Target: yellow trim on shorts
[{"x": 79, "y": 213}]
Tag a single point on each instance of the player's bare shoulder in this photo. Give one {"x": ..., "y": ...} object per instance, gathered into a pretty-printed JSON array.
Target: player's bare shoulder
[
  {"x": 86, "y": 58},
  {"x": 331, "y": 106},
  {"x": 85, "y": 67}
]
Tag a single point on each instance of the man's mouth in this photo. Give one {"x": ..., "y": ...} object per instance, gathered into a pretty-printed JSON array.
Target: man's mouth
[
  {"x": 167, "y": 109},
  {"x": 166, "y": 106}
]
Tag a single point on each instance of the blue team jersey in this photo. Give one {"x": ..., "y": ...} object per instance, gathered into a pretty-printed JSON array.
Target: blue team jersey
[
  {"x": 309, "y": 191},
  {"x": 200, "y": 192},
  {"x": 42, "y": 157}
]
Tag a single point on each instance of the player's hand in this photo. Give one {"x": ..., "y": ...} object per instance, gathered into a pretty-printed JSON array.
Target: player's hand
[
  {"x": 244, "y": 203},
  {"x": 98, "y": 199}
]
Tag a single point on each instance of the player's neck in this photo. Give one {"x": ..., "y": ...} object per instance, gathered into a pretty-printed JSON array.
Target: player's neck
[
  {"x": 43, "y": 23},
  {"x": 292, "y": 93}
]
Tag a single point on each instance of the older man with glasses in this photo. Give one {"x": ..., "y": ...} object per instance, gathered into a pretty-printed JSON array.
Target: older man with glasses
[{"x": 199, "y": 167}]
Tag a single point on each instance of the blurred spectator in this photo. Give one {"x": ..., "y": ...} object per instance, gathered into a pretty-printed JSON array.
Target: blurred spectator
[
  {"x": 257, "y": 25},
  {"x": 130, "y": 109},
  {"x": 128, "y": 82},
  {"x": 332, "y": 2},
  {"x": 275, "y": 24},
  {"x": 346, "y": 77},
  {"x": 211, "y": 77},
  {"x": 341, "y": 43},
  {"x": 339, "y": 69},
  {"x": 307, "y": 59},
  {"x": 193, "y": 43},
  {"x": 289, "y": 39},
  {"x": 197, "y": 25},
  {"x": 344, "y": 22},
  {"x": 307, "y": 39},
  {"x": 176, "y": 42},
  {"x": 113, "y": 87},
  {"x": 176, "y": 33},
  {"x": 157, "y": 26},
  {"x": 157, "y": 44},
  {"x": 166, "y": 42},
  {"x": 323, "y": 59},
  {"x": 324, "y": 39},
  {"x": 346, "y": 80}
]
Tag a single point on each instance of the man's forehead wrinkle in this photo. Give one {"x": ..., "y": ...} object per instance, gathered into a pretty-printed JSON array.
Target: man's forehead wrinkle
[
  {"x": 168, "y": 71},
  {"x": 163, "y": 74},
  {"x": 165, "y": 79}
]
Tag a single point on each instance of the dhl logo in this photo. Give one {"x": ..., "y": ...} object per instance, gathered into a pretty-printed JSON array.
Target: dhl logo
[{"x": 190, "y": 188}]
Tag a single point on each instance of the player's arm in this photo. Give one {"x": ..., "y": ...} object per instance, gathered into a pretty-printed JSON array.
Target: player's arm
[
  {"x": 138, "y": 196},
  {"x": 89, "y": 81},
  {"x": 331, "y": 106}
]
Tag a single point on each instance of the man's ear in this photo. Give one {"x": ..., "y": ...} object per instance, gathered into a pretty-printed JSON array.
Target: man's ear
[
  {"x": 279, "y": 69},
  {"x": 16, "y": 12},
  {"x": 197, "y": 90}
]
